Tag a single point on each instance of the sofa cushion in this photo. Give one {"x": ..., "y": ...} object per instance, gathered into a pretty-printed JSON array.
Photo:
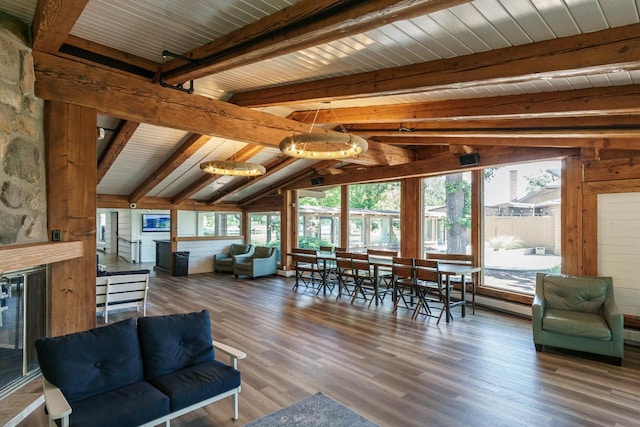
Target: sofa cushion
[
  {"x": 131, "y": 405},
  {"x": 585, "y": 294},
  {"x": 197, "y": 383},
  {"x": 86, "y": 364},
  {"x": 238, "y": 249},
  {"x": 175, "y": 341},
  {"x": 576, "y": 323},
  {"x": 262, "y": 252}
]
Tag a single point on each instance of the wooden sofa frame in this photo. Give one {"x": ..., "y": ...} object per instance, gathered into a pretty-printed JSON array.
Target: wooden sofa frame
[
  {"x": 59, "y": 409},
  {"x": 120, "y": 291}
]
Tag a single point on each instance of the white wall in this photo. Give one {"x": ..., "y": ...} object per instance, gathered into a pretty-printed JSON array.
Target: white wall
[
  {"x": 619, "y": 247},
  {"x": 201, "y": 253},
  {"x": 130, "y": 228}
]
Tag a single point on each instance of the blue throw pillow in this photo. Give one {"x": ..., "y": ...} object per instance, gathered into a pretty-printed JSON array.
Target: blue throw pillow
[
  {"x": 86, "y": 364},
  {"x": 173, "y": 342}
]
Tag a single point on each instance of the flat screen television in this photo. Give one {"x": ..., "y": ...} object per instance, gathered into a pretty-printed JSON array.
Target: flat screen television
[{"x": 156, "y": 222}]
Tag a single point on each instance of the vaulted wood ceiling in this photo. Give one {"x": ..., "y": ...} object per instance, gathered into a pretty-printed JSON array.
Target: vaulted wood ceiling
[{"x": 423, "y": 81}]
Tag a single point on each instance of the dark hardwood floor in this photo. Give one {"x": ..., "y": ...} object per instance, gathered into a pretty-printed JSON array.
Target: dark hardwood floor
[{"x": 481, "y": 370}]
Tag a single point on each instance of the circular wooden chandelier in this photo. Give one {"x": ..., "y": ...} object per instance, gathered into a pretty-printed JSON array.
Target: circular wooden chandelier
[
  {"x": 323, "y": 146},
  {"x": 231, "y": 168}
]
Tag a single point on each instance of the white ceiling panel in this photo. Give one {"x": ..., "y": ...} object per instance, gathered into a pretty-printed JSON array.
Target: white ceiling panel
[
  {"x": 146, "y": 28},
  {"x": 21, "y": 9},
  {"x": 147, "y": 149}
]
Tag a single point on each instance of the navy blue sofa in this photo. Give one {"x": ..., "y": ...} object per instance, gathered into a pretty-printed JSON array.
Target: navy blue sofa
[{"x": 123, "y": 375}]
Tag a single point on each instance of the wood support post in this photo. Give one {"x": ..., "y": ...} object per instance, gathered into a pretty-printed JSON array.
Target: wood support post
[{"x": 71, "y": 156}]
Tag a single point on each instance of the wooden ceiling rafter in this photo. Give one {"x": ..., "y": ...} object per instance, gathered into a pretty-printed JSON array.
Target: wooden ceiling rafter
[
  {"x": 53, "y": 21},
  {"x": 591, "y": 53},
  {"x": 521, "y": 141},
  {"x": 118, "y": 142},
  {"x": 193, "y": 143},
  {"x": 612, "y": 121},
  {"x": 111, "y": 55},
  {"x": 300, "y": 26},
  {"x": 437, "y": 165},
  {"x": 617, "y": 100}
]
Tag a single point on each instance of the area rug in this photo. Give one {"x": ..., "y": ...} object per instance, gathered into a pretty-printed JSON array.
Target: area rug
[{"x": 318, "y": 410}]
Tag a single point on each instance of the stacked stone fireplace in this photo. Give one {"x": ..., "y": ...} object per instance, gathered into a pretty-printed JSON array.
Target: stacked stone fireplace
[{"x": 23, "y": 215}]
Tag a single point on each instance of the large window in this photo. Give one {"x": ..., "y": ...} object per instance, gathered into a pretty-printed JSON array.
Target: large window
[
  {"x": 521, "y": 224},
  {"x": 319, "y": 218},
  {"x": 374, "y": 216},
  {"x": 264, "y": 229},
  {"x": 219, "y": 223},
  {"x": 447, "y": 213}
]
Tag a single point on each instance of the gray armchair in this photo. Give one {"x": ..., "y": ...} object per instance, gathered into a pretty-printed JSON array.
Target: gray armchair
[
  {"x": 577, "y": 313},
  {"x": 263, "y": 262},
  {"x": 224, "y": 261}
]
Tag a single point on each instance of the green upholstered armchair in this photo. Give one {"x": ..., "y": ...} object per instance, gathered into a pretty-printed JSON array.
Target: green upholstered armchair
[
  {"x": 224, "y": 261},
  {"x": 263, "y": 262},
  {"x": 577, "y": 313}
]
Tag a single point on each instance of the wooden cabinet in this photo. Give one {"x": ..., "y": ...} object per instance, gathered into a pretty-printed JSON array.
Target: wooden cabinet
[{"x": 163, "y": 255}]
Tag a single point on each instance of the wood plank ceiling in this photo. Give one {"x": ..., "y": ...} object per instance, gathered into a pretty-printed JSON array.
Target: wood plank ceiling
[{"x": 423, "y": 81}]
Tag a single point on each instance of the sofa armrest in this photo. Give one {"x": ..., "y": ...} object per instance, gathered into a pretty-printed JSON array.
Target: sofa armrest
[
  {"x": 56, "y": 403},
  {"x": 233, "y": 353},
  {"x": 221, "y": 256},
  {"x": 613, "y": 316},
  {"x": 243, "y": 258},
  {"x": 537, "y": 311}
]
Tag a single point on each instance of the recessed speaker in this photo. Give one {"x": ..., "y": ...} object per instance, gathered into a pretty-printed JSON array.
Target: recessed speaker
[
  {"x": 471, "y": 159},
  {"x": 317, "y": 180}
]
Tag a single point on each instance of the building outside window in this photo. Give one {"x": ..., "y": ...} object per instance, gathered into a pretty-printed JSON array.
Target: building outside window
[
  {"x": 264, "y": 230},
  {"x": 219, "y": 223},
  {"x": 521, "y": 224},
  {"x": 319, "y": 218},
  {"x": 447, "y": 213}
]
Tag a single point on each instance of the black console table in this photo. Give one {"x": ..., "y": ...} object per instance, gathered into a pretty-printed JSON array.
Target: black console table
[{"x": 163, "y": 255}]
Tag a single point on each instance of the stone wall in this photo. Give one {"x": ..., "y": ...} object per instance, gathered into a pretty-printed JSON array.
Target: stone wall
[{"x": 23, "y": 208}]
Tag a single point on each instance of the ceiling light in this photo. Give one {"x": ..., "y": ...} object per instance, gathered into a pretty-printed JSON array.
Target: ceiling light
[
  {"x": 322, "y": 146},
  {"x": 233, "y": 168}
]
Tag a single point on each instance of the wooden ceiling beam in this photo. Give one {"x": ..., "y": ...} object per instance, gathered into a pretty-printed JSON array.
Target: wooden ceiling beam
[
  {"x": 159, "y": 203},
  {"x": 581, "y": 103},
  {"x": 120, "y": 140},
  {"x": 53, "y": 20},
  {"x": 118, "y": 95},
  {"x": 439, "y": 164},
  {"x": 300, "y": 26},
  {"x": 184, "y": 152},
  {"x": 243, "y": 155},
  {"x": 135, "y": 62},
  {"x": 592, "y": 53},
  {"x": 522, "y": 141},
  {"x": 566, "y": 122}
]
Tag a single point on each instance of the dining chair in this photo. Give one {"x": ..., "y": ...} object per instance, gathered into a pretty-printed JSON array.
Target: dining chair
[
  {"x": 305, "y": 264},
  {"x": 470, "y": 280},
  {"x": 365, "y": 280},
  {"x": 429, "y": 287},
  {"x": 382, "y": 259},
  {"x": 345, "y": 273},
  {"x": 403, "y": 273}
]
